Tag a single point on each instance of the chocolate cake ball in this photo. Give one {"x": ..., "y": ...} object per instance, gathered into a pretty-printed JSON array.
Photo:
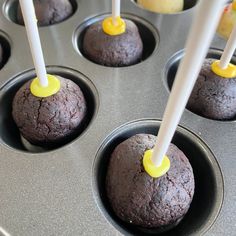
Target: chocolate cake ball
[
  {"x": 213, "y": 96},
  {"x": 49, "y": 12},
  {"x": 49, "y": 121},
  {"x": 120, "y": 50},
  {"x": 141, "y": 200}
]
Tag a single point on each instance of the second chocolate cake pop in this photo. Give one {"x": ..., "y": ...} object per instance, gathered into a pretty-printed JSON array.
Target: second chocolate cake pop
[
  {"x": 213, "y": 96},
  {"x": 141, "y": 200},
  {"x": 49, "y": 121},
  {"x": 109, "y": 50},
  {"x": 49, "y": 12}
]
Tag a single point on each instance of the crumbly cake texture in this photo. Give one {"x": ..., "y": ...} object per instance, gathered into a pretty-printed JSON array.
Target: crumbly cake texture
[
  {"x": 213, "y": 96},
  {"x": 48, "y": 121},
  {"x": 139, "y": 199},
  {"x": 120, "y": 50},
  {"x": 49, "y": 12}
]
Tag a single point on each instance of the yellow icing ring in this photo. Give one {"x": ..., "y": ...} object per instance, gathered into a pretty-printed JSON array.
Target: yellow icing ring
[
  {"x": 111, "y": 29},
  {"x": 52, "y": 88},
  {"x": 153, "y": 170},
  {"x": 229, "y": 72}
]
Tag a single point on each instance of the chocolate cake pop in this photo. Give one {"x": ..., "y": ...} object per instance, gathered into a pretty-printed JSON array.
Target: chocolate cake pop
[
  {"x": 113, "y": 50},
  {"x": 48, "y": 110},
  {"x": 139, "y": 199},
  {"x": 213, "y": 96},
  {"x": 51, "y": 120},
  {"x": 49, "y": 12}
]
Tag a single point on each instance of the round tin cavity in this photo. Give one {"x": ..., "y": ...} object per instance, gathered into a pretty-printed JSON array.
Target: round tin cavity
[
  {"x": 208, "y": 197},
  {"x": 170, "y": 72},
  {"x": 6, "y": 49},
  {"x": 10, "y": 11},
  {"x": 148, "y": 33},
  {"x": 9, "y": 133},
  {"x": 188, "y": 4}
]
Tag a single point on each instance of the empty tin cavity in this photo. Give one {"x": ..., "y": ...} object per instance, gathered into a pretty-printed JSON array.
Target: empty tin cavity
[{"x": 5, "y": 49}]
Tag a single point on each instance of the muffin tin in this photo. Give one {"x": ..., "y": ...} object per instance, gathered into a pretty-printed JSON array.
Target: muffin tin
[{"x": 61, "y": 191}]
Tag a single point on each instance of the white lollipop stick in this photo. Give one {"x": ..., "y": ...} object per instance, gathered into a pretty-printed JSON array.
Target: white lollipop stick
[
  {"x": 201, "y": 34},
  {"x": 115, "y": 11},
  {"x": 229, "y": 50},
  {"x": 30, "y": 21}
]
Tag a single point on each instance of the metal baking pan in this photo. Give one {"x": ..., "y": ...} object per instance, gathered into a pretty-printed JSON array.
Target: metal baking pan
[{"x": 60, "y": 191}]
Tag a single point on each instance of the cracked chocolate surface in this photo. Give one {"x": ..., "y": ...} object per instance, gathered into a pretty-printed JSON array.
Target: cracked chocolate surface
[
  {"x": 49, "y": 12},
  {"x": 140, "y": 199},
  {"x": 213, "y": 97},
  {"x": 45, "y": 121},
  {"x": 120, "y": 50}
]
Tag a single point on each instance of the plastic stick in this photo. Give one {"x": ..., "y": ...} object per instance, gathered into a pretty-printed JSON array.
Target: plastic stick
[
  {"x": 30, "y": 21},
  {"x": 201, "y": 34},
  {"x": 115, "y": 11},
  {"x": 229, "y": 50}
]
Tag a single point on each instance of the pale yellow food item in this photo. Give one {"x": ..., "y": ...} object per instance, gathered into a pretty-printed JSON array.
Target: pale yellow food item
[
  {"x": 227, "y": 21},
  {"x": 162, "y": 6}
]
